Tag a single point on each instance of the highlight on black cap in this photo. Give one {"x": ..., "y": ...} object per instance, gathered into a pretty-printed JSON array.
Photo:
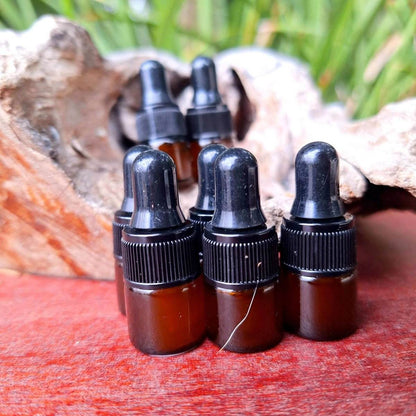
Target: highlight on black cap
[
  {"x": 159, "y": 117},
  {"x": 208, "y": 116},
  {"x": 206, "y": 180},
  {"x": 129, "y": 157},
  {"x": 155, "y": 192},
  {"x": 238, "y": 248},
  {"x": 154, "y": 87},
  {"x": 204, "y": 82},
  {"x": 237, "y": 199},
  {"x": 201, "y": 213},
  {"x": 158, "y": 246},
  {"x": 318, "y": 238},
  {"x": 317, "y": 186}
]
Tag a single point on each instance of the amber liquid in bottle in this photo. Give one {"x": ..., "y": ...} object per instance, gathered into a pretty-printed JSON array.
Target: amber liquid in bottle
[
  {"x": 318, "y": 253},
  {"x": 241, "y": 267},
  {"x": 244, "y": 321},
  {"x": 209, "y": 119},
  {"x": 160, "y": 122},
  {"x": 163, "y": 287},
  {"x": 180, "y": 153},
  {"x": 118, "y": 272},
  {"x": 320, "y": 308},
  {"x": 197, "y": 145},
  {"x": 166, "y": 321},
  {"x": 121, "y": 219}
]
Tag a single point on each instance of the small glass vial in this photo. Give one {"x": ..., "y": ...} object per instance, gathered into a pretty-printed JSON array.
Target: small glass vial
[
  {"x": 203, "y": 210},
  {"x": 164, "y": 290},
  {"x": 241, "y": 261},
  {"x": 318, "y": 251},
  {"x": 209, "y": 119},
  {"x": 160, "y": 123},
  {"x": 122, "y": 218}
]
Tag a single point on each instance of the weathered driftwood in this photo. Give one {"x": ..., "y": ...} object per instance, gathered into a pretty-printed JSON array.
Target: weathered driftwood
[{"x": 67, "y": 115}]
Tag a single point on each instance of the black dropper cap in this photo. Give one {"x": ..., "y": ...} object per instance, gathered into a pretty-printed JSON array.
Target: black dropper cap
[
  {"x": 209, "y": 117},
  {"x": 202, "y": 211},
  {"x": 318, "y": 238},
  {"x": 238, "y": 248},
  {"x": 123, "y": 215},
  {"x": 159, "y": 245},
  {"x": 159, "y": 117},
  {"x": 317, "y": 188},
  {"x": 237, "y": 199}
]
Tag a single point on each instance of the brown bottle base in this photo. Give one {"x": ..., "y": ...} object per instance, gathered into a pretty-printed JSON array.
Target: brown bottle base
[
  {"x": 118, "y": 271},
  {"x": 182, "y": 351},
  {"x": 319, "y": 308},
  {"x": 261, "y": 330},
  {"x": 166, "y": 321},
  {"x": 197, "y": 145}
]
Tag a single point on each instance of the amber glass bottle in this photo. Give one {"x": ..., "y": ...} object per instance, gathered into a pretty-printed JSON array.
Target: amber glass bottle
[
  {"x": 318, "y": 251},
  {"x": 241, "y": 261},
  {"x": 209, "y": 119},
  {"x": 122, "y": 218},
  {"x": 163, "y": 287},
  {"x": 203, "y": 210},
  {"x": 160, "y": 123}
]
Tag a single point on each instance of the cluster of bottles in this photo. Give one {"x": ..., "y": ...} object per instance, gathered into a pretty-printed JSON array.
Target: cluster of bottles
[
  {"x": 161, "y": 124},
  {"x": 217, "y": 274}
]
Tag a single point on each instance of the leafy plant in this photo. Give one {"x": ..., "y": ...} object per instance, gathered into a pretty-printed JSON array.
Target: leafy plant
[{"x": 359, "y": 52}]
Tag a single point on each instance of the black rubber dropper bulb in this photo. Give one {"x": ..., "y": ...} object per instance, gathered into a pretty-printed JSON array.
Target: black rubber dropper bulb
[
  {"x": 201, "y": 213},
  {"x": 317, "y": 187},
  {"x": 204, "y": 83},
  {"x": 155, "y": 193},
  {"x": 240, "y": 260},
  {"x": 209, "y": 119},
  {"x": 159, "y": 121},
  {"x": 318, "y": 250},
  {"x": 155, "y": 91},
  {"x": 122, "y": 218},
  {"x": 163, "y": 286}
]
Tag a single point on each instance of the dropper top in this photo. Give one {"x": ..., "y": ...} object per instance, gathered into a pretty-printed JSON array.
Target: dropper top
[
  {"x": 237, "y": 199},
  {"x": 155, "y": 92},
  {"x": 206, "y": 180},
  {"x": 130, "y": 156},
  {"x": 208, "y": 117},
  {"x": 159, "y": 117},
  {"x": 204, "y": 83},
  {"x": 317, "y": 183},
  {"x": 155, "y": 192}
]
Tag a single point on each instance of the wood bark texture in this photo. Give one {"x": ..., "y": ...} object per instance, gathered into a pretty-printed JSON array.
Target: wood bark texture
[{"x": 67, "y": 115}]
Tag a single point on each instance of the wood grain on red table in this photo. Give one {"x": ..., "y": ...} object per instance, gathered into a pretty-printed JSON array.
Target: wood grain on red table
[{"x": 64, "y": 349}]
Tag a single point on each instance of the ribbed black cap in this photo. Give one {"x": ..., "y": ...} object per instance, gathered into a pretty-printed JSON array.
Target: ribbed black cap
[
  {"x": 209, "y": 116},
  {"x": 318, "y": 239},
  {"x": 159, "y": 117},
  {"x": 238, "y": 249},
  {"x": 158, "y": 246},
  {"x": 202, "y": 211},
  {"x": 121, "y": 219},
  {"x": 123, "y": 215}
]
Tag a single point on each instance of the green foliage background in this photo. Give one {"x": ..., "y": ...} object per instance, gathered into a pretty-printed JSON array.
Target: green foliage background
[{"x": 361, "y": 52}]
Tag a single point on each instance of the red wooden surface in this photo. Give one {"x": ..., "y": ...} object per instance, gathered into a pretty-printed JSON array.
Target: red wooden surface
[{"x": 64, "y": 350}]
